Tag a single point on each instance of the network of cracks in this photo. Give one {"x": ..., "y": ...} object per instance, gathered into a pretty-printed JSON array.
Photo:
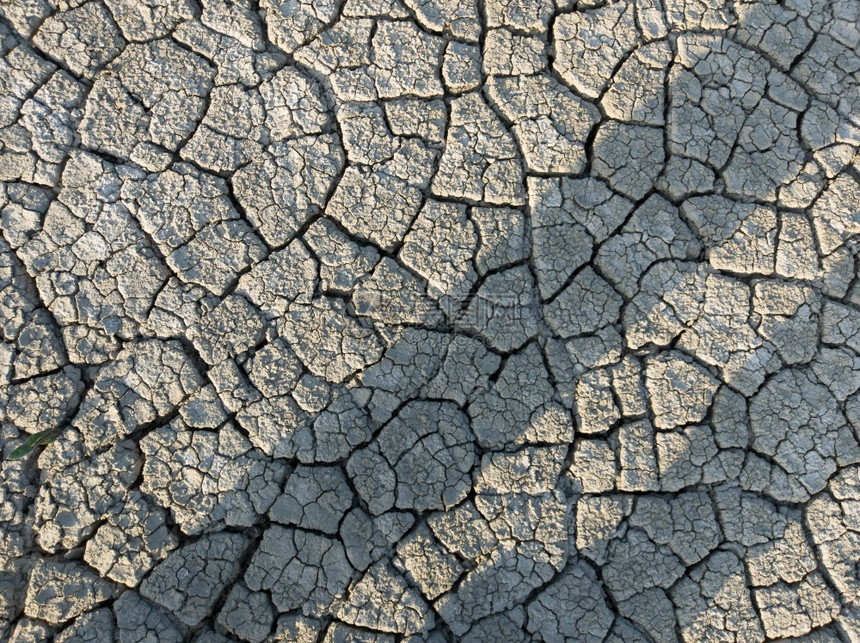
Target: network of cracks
[{"x": 430, "y": 320}]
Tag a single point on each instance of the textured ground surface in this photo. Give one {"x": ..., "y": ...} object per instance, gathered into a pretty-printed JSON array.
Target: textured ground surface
[{"x": 430, "y": 320}]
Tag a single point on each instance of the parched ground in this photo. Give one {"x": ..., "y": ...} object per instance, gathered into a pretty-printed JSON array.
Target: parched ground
[{"x": 490, "y": 321}]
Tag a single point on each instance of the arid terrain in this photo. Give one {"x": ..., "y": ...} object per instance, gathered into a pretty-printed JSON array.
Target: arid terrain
[{"x": 490, "y": 321}]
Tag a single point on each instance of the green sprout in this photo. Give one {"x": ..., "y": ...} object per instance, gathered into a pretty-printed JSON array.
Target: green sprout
[{"x": 35, "y": 440}]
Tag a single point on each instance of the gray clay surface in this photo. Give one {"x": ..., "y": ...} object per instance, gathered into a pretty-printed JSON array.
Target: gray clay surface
[{"x": 490, "y": 321}]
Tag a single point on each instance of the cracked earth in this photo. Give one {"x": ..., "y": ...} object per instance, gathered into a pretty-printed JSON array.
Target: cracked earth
[{"x": 430, "y": 320}]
